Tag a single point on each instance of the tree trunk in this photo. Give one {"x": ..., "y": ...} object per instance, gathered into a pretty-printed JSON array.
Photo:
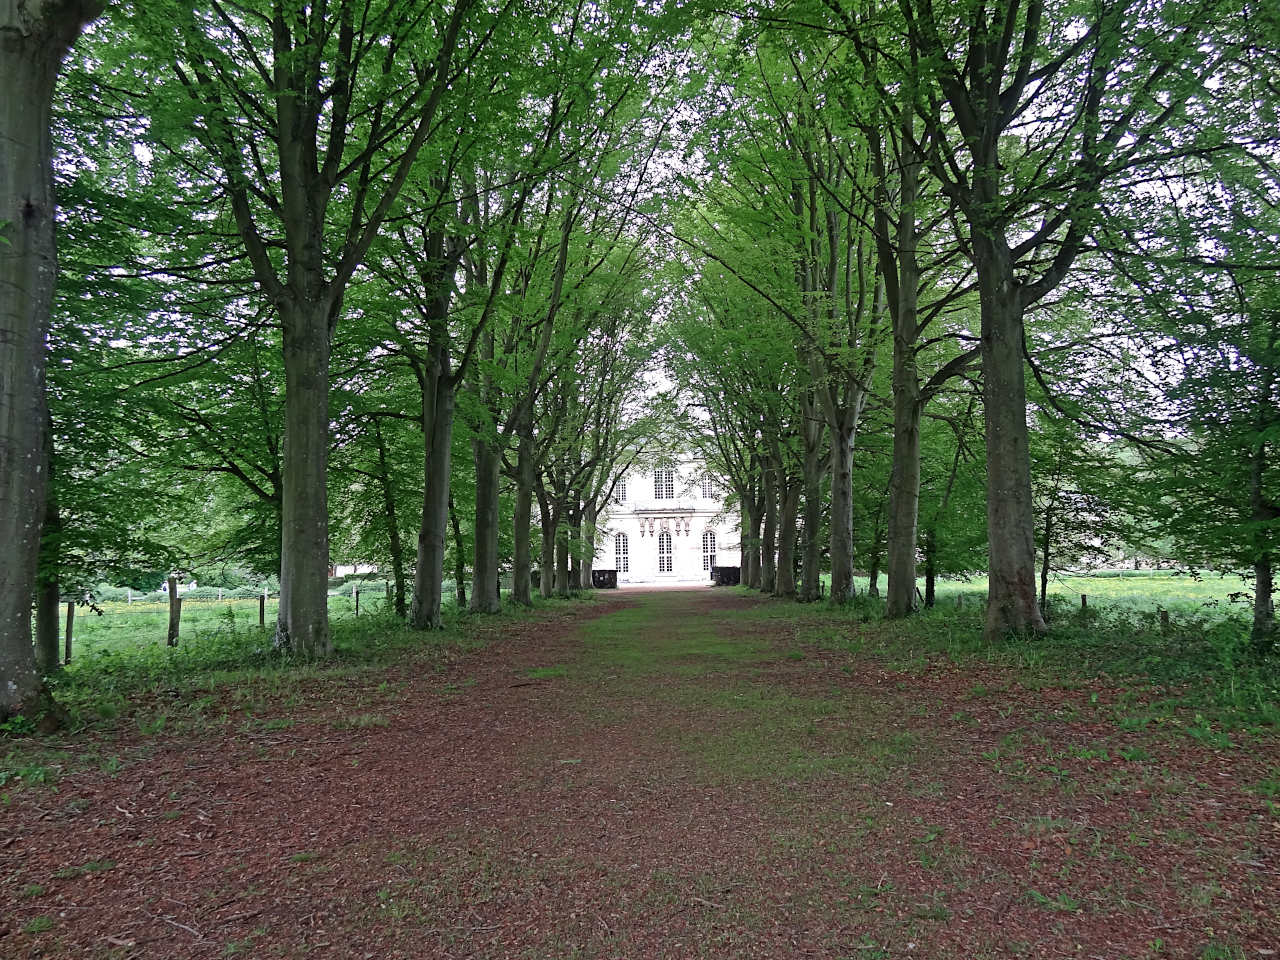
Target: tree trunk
[
  {"x": 175, "y": 613},
  {"x": 811, "y": 554},
  {"x": 1044, "y": 564},
  {"x": 588, "y": 542},
  {"x": 547, "y": 561},
  {"x": 303, "y": 624},
  {"x": 785, "y": 578},
  {"x": 575, "y": 548},
  {"x": 841, "y": 513},
  {"x": 562, "y": 560},
  {"x": 1011, "y": 566},
  {"x": 749, "y": 574},
  {"x": 931, "y": 534},
  {"x": 48, "y": 646},
  {"x": 484, "y": 571},
  {"x": 48, "y": 651},
  {"x": 459, "y": 559},
  {"x": 1263, "y": 635},
  {"x": 1264, "y": 513},
  {"x": 522, "y": 577},
  {"x": 930, "y": 566},
  {"x": 769, "y": 537},
  {"x": 904, "y": 488},
  {"x": 393, "y": 524},
  {"x": 811, "y": 547},
  {"x": 437, "y": 430},
  {"x": 34, "y": 39},
  {"x": 873, "y": 569},
  {"x": 875, "y": 549}
]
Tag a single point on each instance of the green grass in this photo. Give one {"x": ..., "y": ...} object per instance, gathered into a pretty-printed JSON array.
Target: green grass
[
  {"x": 546, "y": 673},
  {"x": 1060, "y": 902},
  {"x": 224, "y": 674},
  {"x": 747, "y": 731},
  {"x": 224, "y": 662},
  {"x": 1182, "y": 594},
  {"x": 1201, "y": 664},
  {"x": 704, "y": 667},
  {"x": 1186, "y": 598},
  {"x": 117, "y": 627},
  {"x": 92, "y": 866},
  {"x": 633, "y": 640},
  {"x": 362, "y": 721}
]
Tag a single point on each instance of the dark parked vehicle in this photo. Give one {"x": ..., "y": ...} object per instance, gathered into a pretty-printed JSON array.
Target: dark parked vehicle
[{"x": 726, "y": 576}]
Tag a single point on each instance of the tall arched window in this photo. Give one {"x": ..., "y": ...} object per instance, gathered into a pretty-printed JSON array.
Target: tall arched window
[
  {"x": 708, "y": 550},
  {"x": 708, "y": 487},
  {"x": 664, "y": 552},
  {"x": 620, "y": 559},
  {"x": 664, "y": 483},
  {"x": 620, "y": 492}
]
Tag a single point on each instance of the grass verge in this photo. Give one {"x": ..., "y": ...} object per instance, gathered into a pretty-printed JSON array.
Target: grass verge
[
  {"x": 222, "y": 675},
  {"x": 1197, "y": 670}
]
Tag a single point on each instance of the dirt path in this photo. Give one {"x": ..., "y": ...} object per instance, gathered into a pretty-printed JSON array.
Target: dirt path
[{"x": 656, "y": 775}]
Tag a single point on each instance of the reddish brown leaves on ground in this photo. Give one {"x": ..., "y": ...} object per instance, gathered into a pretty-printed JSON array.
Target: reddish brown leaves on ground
[{"x": 495, "y": 812}]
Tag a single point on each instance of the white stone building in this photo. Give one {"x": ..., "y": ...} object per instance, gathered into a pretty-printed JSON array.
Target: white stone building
[{"x": 667, "y": 525}]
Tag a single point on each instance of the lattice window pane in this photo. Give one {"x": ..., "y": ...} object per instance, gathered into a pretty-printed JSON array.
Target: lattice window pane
[
  {"x": 664, "y": 552},
  {"x": 622, "y": 561}
]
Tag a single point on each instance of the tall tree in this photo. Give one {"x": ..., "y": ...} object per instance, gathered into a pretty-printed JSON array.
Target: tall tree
[
  {"x": 35, "y": 37},
  {"x": 1044, "y": 104},
  {"x": 311, "y": 118},
  {"x": 1210, "y": 308},
  {"x": 788, "y": 214}
]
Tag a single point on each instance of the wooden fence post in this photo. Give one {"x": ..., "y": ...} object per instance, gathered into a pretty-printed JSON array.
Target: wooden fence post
[
  {"x": 175, "y": 612},
  {"x": 355, "y": 592},
  {"x": 1164, "y": 620},
  {"x": 262, "y": 609},
  {"x": 1084, "y": 601},
  {"x": 66, "y": 643}
]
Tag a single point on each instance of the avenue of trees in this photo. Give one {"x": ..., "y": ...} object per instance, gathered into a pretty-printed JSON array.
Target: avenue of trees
[{"x": 990, "y": 287}]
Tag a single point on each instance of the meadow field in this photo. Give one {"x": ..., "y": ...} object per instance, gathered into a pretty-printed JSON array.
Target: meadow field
[
  {"x": 1204, "y": 595},
  {"x": 117, "y": 626}
]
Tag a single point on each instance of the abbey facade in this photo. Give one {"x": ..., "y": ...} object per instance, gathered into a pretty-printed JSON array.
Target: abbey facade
[{"x": 667, "y": 525}]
